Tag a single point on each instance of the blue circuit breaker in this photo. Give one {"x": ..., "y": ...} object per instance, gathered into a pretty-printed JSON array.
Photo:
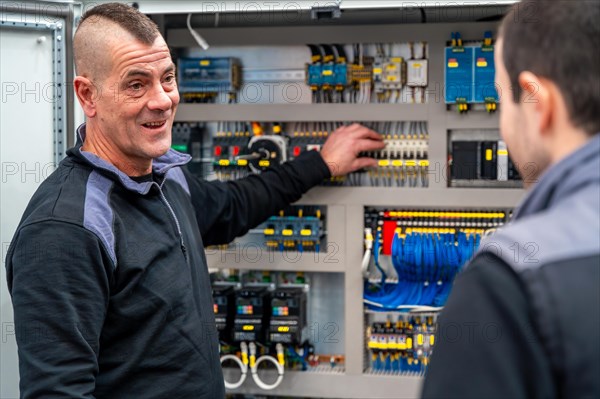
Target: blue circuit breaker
[
  {"x": 470, "y": 74},
  {"x": 459, "y": 75},
  {"x": 328, "y": 75},
  {"x": 485, "y": 87},
  {"x": 314, "y": 76},
  {"x": 208, "y": 75},
  {"x": 340, "y": 72}
]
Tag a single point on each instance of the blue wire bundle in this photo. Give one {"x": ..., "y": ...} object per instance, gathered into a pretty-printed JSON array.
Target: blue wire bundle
[{"x": 426, "y": 264}]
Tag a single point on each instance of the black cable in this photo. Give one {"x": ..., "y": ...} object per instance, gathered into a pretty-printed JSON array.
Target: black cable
[
  {"x": 315, "y": 52},
  {"x": 328, "y": 55},
  {"x": 341, "y": 52},
  {"x": 423, "y": 15}
]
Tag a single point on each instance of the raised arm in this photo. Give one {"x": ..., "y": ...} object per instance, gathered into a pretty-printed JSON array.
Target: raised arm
[{"x": 227, "y": 210}]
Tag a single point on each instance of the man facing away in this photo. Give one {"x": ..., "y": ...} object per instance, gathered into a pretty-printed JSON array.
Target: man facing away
[
  {"x": 523, "y": 319},
  {"x": 107, "y": 271}
]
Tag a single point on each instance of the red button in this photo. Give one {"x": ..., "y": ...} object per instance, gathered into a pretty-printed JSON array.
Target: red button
[
  {"x": 235, "y": 151},
  {"x": 218, "y": 151},
  {"x": 297, "y": 151}
]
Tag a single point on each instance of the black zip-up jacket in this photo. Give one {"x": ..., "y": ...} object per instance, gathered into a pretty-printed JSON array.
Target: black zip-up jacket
[
  {"x": 523, "y": 319},
  {"x": 108, "y": 276}
]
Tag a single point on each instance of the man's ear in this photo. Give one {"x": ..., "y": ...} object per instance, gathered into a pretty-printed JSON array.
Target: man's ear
[
  {"x": 87, "y": 93},
  {"x": 536, "y": 96}
]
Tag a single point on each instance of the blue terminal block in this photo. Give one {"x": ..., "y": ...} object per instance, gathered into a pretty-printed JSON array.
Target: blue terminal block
[
  {"x": 485, "y": 85},
  {"x": 458, "y": 75},
  {"x": 208, "y": 75},
  {"x": 341, "y": 74},
  {"x": 293, "y": 233},
  {"x": 315, "y": 75},
  {"x": 328, "y": 75}
]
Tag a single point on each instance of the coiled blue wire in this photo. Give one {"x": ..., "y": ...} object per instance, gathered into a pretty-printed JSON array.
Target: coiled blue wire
[{"x": 425, "y": 264}]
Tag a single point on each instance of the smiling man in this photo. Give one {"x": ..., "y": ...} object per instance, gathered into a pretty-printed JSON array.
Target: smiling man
[
  {"x": 107, "y": 272},
  {"x": 523, "y": 319}
]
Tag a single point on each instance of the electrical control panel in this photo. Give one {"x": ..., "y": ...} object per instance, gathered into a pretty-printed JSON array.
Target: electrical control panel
[{"x": 296, "y": 84}]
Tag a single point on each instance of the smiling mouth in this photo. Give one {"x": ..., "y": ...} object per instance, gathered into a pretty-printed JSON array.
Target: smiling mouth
[{"x": 154, "y": 125}]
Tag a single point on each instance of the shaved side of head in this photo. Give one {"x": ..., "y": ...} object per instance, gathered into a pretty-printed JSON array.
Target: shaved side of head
[
  {"x": 103, "y": 26},
  {"x": 91, "y": 44}
]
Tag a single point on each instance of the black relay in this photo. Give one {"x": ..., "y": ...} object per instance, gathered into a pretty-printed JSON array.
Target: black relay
[
  {"x": 288, "y": 315},
  {"x": 251, "y": 314},
  {"x": 224, "y": 309}
]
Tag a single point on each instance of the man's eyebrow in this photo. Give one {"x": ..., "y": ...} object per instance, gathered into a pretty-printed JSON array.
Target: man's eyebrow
[
  {"x": 146, "y": 74},
  {"x": 170, "y": 68},
  {"x": 137, "y": 72}
]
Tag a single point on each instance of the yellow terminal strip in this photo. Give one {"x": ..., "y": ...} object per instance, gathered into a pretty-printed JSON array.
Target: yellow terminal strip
[
  {"x": 305, "y": 232},
  {"x": 287, "y": 232},
  {"x": 269, "y": 232}
]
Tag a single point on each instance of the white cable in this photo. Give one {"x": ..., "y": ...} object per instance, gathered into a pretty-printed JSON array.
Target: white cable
[
  {"x": 199, "y": 39},
  {"x": 243, "y": 369},
  {"x": 258, "y": 381},
  {"x": 368, "y": 247}
]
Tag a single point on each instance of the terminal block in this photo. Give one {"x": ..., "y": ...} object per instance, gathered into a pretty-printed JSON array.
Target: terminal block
[
  {"x": 389, "y": 73},
  {"x": 298, "y": 231},
  {"x": 402, "y": 346}
]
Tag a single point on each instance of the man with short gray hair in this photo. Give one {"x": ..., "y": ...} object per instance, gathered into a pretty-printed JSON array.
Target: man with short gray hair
[{"x": 108, "y": 261}]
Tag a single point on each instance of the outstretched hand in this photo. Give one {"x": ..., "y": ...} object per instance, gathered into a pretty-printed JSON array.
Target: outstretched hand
[{"x": 342, "y": 148}]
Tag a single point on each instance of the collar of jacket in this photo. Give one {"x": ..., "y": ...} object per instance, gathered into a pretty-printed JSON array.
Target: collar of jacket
[
  {"x": 160, "y": 165},
  {"x": 564, "y": 179}
]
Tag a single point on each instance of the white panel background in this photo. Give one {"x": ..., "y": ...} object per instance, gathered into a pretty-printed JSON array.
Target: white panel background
[{"x": 26, "y": 158}]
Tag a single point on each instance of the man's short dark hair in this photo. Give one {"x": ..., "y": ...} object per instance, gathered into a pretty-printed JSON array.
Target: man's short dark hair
[
  {"x": 128, "y": 18},
  {"x": 560, "y": 41}
]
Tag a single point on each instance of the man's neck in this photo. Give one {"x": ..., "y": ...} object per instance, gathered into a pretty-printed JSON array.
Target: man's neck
[
  {"x": 96, "y": 144},
  {"x": 567, "y": 141}
]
